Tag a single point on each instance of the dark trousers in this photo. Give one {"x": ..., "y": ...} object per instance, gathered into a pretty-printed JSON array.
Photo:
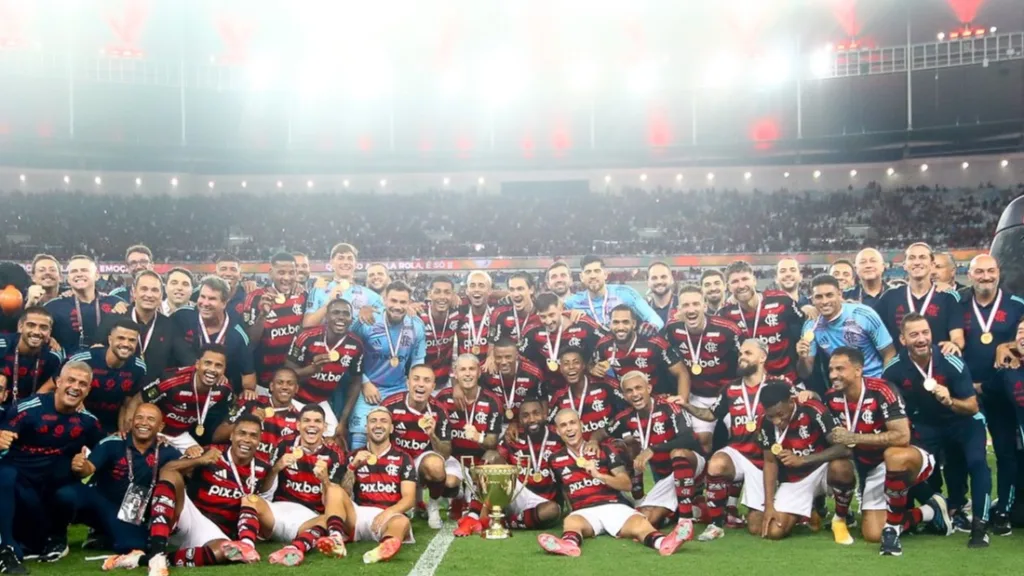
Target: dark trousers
[
  {"x": 83, "y": 504},
  {"x": 963, "y": 445},
  {"x": 24, "y": 510}
]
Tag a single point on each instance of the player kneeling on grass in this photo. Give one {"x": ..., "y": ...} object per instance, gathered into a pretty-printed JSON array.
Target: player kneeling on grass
[
  {"x": 875, "y": 424},
  {"x": 309, "y": 506},
  {"x": 594, "y": 486},
  {"x": 383, "y": 486},
  {"x": 660, "y": 434},
  {"x": 797, "y": 450},
  {"x": 536, "y": 503},
  {"x": 215, "y": 518}
]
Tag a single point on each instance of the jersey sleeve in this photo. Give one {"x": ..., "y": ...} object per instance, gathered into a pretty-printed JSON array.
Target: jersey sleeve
[
  {"x": 721, "y": 407},
  {"x": 251, "y": 307},
  {"x": 891, "y": 404},
  {"x": 298, "y": 350},
  {"x": 610, "y": 459},
  {"x": 825, "y": 419},
  {"x": 101, "y": 455},
  {"x": 154, "y": 391},
  {"x": 641, "y": 308},
  {"x": 419, "y": 345},
  {"x": 246, "y": 363},
  {"x": 336, "y": 469},
  {"x": 954, "y": 319},
  {"x": 618, "y": 428},
  {"x": 872, "y": 323},
  {"x": 495, "y": 418},
  {"x": 408, "y": 473},
  {"x": 670, "y": 355},
  {"x": 960, "y": 385}
]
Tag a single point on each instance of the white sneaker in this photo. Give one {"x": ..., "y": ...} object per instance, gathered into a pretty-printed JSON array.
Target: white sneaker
[
  {"x": 129, "y": 561},
  {"x": 158, "y": 565},
  {"x": 710, "y": 533},
  {"x": 433, "y": 514}
]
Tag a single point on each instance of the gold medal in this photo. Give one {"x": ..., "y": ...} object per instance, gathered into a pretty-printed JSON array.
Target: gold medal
[
  {"x": 345, "y": 285},
  {"x": 751, "y": 426},
  {"x": 851, "y": 446},
  {"x": 334, "y": 355},
  {"x": 696, "y": 369},
  {"x": 252, "y": 498},
  {"x": 553, "y": 365},
  {"x": 776, "y": 448},
  {"x": 394, "y": 361},
  {"x": 475, "y": 349},
  {"x": 372, "y": 460},
  {"x": 470, "y": 431},
  {"x": 986, "y": 338},
  {"x": 509, "y": 414},
  {"x": 200, "y": 430},
  {"x": 425, "y": 423},
  {"x": 537, "y": 477},
  {"x": 297, "y": 452},
  {"x": 280, "y": 299},
  {"x": 268, "y": 412},
  {"x": 581, "y": 461},
  {"x": 809, "y": 335}
]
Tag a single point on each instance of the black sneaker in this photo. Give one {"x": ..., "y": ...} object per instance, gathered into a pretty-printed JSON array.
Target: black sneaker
[
  {"x": 96, "y": 540},
  {"x": 942, "y": 522},
  {"x": 1001, "y": 525},
  {"x": 9, "y": 563},
  {"x": 54, "y": 550},
  {"x": 979, "y": 535},
  {"x": 890, "y": 543},
  {"x": 961, "y": 522}
]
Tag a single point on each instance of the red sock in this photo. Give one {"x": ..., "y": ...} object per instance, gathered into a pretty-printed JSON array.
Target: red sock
[
  {"x": 307, "y": 539},
  {"x": 843, "y": 495},
  {"x": 161, "y": 513},
  {"x": 248, "y": 526},
  {"x": 896, "y": 489},
  {"x": 475, "y": 507},
  {"x": 683, "y": 472},
  {"x": 653, "y": 540},
  {"x": 335, "y": 527},
  {"x": 718, "y": 496},
  {"x": 574, "y": 537},
  {"x": 912, "y": 518},
  {"x": 527, "y": 519},
  {"x": 193, "y": 557}
]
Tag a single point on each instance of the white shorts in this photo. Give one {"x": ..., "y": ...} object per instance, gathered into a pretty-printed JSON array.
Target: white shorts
[
  {"x": 451, "y": 465},
  {"x": 365, "y": 515},
  {"x": 288, "y": 519},
  {"x": 182, "y": 442},
  {"x": 872, "y": 495},
  {"x": 700, "y": 426},
  {"x": 751, "y": 476},
  {"x": 525, "y": 499},
  {"x": 797, "y": 498},
  {"x": 194, "y": 529},
  {"x": 663, "y": 494},
  {"x": 606, "y": 518}
]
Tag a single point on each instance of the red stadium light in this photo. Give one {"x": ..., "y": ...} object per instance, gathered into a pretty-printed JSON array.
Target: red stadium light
[
  {"x": 954, "y": 35},
  {"x": 127, "y": 25},
  {"x": 965, "y": 10},
  {"x": 979, "y": 32}
]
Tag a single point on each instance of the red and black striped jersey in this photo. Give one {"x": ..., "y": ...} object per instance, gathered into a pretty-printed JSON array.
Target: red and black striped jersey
[
  {"x": 408, "y": 436},
  {"x": 283, "y": 425},
  {"x": 474, "y": 332},
  {"x": 881, "y": 404},
  {"x": 731, "y": 403},
  {"x": 441, "y": 346},
  {"x": 651, "y": 355},
  {"x": 535, "y": 341},
  {"x": 663, "y": 424},
  {"x": 600, "y": 403},
  {"x": 347, "y": 370},
  {"x": 506, "y": 320},
  {"x": 486, "y": 418},
  {"x": 717, "y": 349},
  {"x": 177, "y": 399},
  {"x": 298, "y": 483},
  {"x": 778, "y": 326},
  {"x": 280, "y": 326},
  {"x": 519, "y": 452},
  {"x": 582, "y": 489},
  {"x": 218, "y": 494},
  {"x": 380, "y": 485},
  {"x": 806, "y": 434},
  {"x": 526, "y": 381}
]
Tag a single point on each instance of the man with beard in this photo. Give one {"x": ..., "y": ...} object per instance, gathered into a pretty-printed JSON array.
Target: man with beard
[
  {"x": 772, "y": 316},
  {"x": 788, "y": 278},
  {"x": 394, "y": 342},
  {"x": 509, "y": 320},
  {"x": 302, "y": 271},
  {"x": 943, "y": 405},
  {"x": 537, "y": 504},
  {"x": 136, "y": 259},
  {"x": 712, "y": 286},
  {"x": 343, "y": 264},
  {"x": 598, "y": 299},
  {"x": 229, "y": 269},
  {"x": 656, "y": 432},
  {"x": 920, "y": 296},
  {"x": 161, "y": 343},
  {"x": 210, "y": 323},
  {"x": 76, "y": 317},
  {"x": 593, "y": 485},
  {"x": 842, "y": 270},
  {"x": 626, "y": 350},
  {"x": 475, "y": 330},
  {"x": 710, "y": 348},
  {"x": 45, "y": 281},
  {"x": 193, "y": 399},
  {"x": 441, "y": 322},
  {"x": 661, "y": 288},
  {"x": 214, "y": 516},
  {"x": 117, "y": 376},
  {"x": 27, "y": 363},
  {"x": 422, "y": 431},
  {"x": 944, "y": 272},
  {"x": 377, "y": 278},
  {"x": 40, "y": 437},
  {"x": 542, "y": 341},
  {"x": 558, "y": 278},
  {"x": 179, "y": 291},
  {"x": 474, "y": 429},
  {"x": 874, "y": 423},
  {"x": 513, "y": 380},
  {"x": 123, "y": 472},
  {"x": 309, "y": 503},
  {"x": 383, "y": 486},
  {"x": 870, "y": 267},
  {"x": 991, "y": 316},
  {"x": 273, "y": 316}
]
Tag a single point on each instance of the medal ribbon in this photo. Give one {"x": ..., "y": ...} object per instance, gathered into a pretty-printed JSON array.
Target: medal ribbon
[
  {"x": 537, "y": 459},
  {"x": 583, "y": 397},
  {"x": 16, "y": 369},
  {"x": 924, "y": 305},
  {"x": 417, "y": 412},
  {"x": 695, "y": 352},
  {"x": 252, "y": 475},
  {"x": 81, "y": 320},
  {"x": 206, "y": 336},
  {"x": 645, "y": 439},
  {"x": 201, "y": 415},
  {"x": 780, "y": 437},
  {"x": 392, "y": 347},
  {"x": 474, "y": 332},
  {"x": 757, "y": 317},
  {"x": 751, "y": 408},
  {"x": 433, "y": 327},
  {"x": 144, "y": 344},
  {"x": 553, "y": 352},
  {"x": 512, "y": 395},
  {"x": 336, "y": 345},
  {"x": 851, "y": 425},
  {"x": 604, "y": 308},
  {"x": 923, "y": 375},
  {"x": 614, "y": 361},
  {"x": 986, "y": 325}
]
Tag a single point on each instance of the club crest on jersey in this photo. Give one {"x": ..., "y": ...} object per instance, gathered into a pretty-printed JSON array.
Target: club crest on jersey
[
  {"x": 711, "y": 347},
  {"x": 480, "y": 418},
  {"x": 868, "y": 417},
  {"x": 771, "y": 320},
  {"x": 804, "y": 432},
  {"x": 659, "y": 428},
  {"x": 575, "y": 342},
  {"x": 391, "y": 470},
  {"x": 598, "y": 405},
  {"x": 641, "y": 362}
]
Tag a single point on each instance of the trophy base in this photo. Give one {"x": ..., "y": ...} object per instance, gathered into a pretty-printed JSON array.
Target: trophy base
[{"x": 496, "y": 535}]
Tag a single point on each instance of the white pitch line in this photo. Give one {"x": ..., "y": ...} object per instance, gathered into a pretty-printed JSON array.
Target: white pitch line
[{"x": 432, "y": 556}]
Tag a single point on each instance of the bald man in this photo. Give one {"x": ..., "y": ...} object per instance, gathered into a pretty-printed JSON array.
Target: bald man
[
  {"x": 115, "y": 503},
  {"x": 991, "y": 316},
  {"x": 869, "y": 266},
  {"x": 944, "y": 272},
  {"x": 788, "y": 278}
]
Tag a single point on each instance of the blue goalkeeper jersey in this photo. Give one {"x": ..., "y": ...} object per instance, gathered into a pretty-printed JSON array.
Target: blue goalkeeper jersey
[
  {"x": 600, "y": 308},
  {"x": 409, "y": 342}
]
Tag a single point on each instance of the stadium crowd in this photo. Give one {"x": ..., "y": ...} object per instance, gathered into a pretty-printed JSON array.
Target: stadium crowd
[
  {"x": 185, "y": 420},
  {"x": 460, "y": 224}
]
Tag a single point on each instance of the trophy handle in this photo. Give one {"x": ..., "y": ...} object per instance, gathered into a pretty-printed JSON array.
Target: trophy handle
[
  {"x": 522, "y": 485},
  {"x": 468, "y": 478}
]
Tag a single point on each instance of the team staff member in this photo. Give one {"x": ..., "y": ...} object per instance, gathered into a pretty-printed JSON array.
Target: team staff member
[
  {"x": 45, "y": 281},
  {"x": 558, "y": 278},
  {"x": 229, "y": 269},
  {"x": 179, "y": 290},
  {"x": 599, "y": 298},
  {"x": 870, "y": 267},
  {"x": 77, "y": 316},
  {"x": 117, "y": 376},
  {"x": 788, "y": 278},
  {"x": 842, "y": 270},
  {"x": 343, "y": 264},
  {"x": 273, "y": 316},
  {"x": 302, "y": 271},
  {"x": 27, "y": 361},
  {"x": 662, "y": 289},
  {"x": 377, "y": 278},
  {"x": 137, "y": 258}
]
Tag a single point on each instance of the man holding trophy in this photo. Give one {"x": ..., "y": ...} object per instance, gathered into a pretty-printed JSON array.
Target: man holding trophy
[{"x": 538, "y": 501}]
